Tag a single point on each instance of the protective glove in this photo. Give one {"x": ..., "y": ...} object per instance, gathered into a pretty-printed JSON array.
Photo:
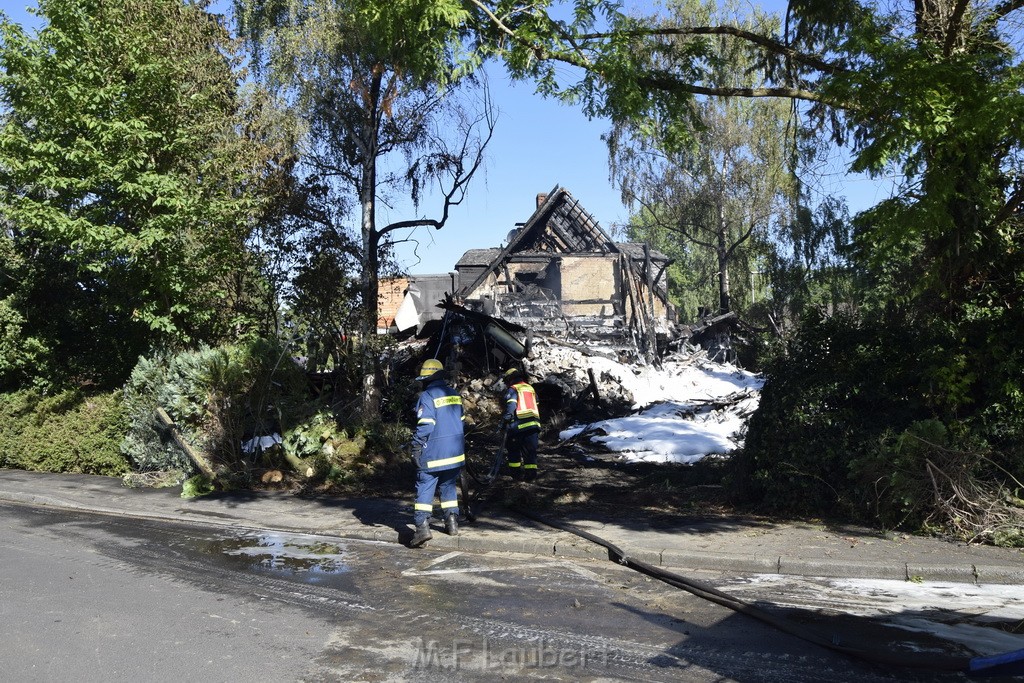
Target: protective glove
[{"x": 416, "y": 450}]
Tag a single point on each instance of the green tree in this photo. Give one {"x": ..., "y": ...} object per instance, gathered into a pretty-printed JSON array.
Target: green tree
[
  {"x": 323, "y": 298},
  {"x": 808, "y": 268},
  {"x": 929, "y": 91},
  {"x": 713, "y": 199},
  {"x": 376, "y": 85},
  {"x": 130, "y": 177}
]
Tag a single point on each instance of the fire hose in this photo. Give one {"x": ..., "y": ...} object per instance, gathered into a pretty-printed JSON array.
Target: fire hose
[{"x": 1006, "y": 664}]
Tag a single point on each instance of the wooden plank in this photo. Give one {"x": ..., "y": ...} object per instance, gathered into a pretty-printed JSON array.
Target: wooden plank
[
  {"x": 194, "y": 456},
  {"x": 652, "y": 336},
  {"x": 593, "y": 386}
]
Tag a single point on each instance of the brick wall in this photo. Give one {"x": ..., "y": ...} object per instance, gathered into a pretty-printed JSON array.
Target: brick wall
[{"x": 390, "y": 292}]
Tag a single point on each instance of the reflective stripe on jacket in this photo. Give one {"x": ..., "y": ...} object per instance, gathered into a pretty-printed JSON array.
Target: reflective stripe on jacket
[
  {"x": 439, "y": 428},
  {"x": 521, "y": 407}
]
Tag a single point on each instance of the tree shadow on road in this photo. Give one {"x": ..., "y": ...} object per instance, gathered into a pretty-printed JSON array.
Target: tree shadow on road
[{"x": 839, "y": 646}]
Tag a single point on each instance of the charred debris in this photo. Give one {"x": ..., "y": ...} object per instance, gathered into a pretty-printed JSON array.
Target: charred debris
[
  {"x": 559, "y": 279},
  {"x": 476, "y": 348}
]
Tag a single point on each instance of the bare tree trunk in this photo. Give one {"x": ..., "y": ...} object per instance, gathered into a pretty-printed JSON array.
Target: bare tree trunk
[
  {"x": 371, "y": 258},
  {"x": 370, "y": 283},
  {"x": 371, "y": 244},
  {"x": 724, "y": 303}
]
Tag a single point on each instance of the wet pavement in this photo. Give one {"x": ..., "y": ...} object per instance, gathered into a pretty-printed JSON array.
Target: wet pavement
[
  {"x": 90, "y": 597},
  {"x": 734, "y": 544},
  {"x": 791, "y": 569}
]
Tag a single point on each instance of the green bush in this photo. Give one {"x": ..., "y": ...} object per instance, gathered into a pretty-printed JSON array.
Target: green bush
[
  {"x": 827, "y": 401},
  {"x": 390, "y": 439},
  {"x": 221, "y": 397},
  {"x": 70, "y": 432},
  {"x": 196, "y": 486},
  {"x": 344, "y": 454},
  {"x": 20, "y": 353},
  {"x": 897, "y": 476},
  {"x": 929, "y": 478},
  {"x": 147, "y": 445},
  {"x": 877, "y": 421},
  {"x": 217, "y": 397}
]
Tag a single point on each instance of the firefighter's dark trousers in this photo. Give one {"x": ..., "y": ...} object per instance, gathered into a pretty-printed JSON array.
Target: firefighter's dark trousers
[
  {"x": 445, "y": 482},
  {"x": 522, "y": 450}
]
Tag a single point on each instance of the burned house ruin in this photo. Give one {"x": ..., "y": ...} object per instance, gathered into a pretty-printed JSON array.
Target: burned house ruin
[{"x": 559, "y": 274}]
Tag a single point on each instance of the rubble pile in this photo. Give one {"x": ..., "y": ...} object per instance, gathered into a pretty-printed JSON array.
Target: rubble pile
[
  {"x": 622, "y": 384},
  {"x": 581, "y": 375},
  {"x": 680, "y": 409},
  {"x": 582, "y": 383},
  {"x": 571, "y": 376},
  {"x": 482, "y": 401}
]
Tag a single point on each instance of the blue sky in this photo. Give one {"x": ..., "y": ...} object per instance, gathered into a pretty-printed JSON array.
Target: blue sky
[{"x": 538, "y": 143}]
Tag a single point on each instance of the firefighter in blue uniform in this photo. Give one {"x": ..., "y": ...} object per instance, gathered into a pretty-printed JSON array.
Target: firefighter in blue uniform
[
  {"x": 438, "y": 447},
  {"x": 521, "y": 422}
]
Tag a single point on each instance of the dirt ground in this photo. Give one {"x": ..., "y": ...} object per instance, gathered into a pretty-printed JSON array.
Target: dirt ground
[{"x": 574, "y": 478}]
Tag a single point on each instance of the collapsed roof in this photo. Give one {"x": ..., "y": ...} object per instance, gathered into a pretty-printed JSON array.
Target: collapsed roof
[{"x": 561, "y": 273}]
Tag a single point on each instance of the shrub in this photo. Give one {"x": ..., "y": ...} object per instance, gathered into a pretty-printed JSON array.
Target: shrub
[
  {"x": 196, "y": 486},
  {"x": 217, "y": 397},
  {"x": 221, "y": 397},
  {"x": 876, "y": 422},
  {"x": 926, "y": 478},
  {"x": 73, "y": 431},
  {"x": 147, "y": 445},
  {"x": 20, "y": 353},
  {"x": 344, "y": 454},
  {"x": 829, "y": 400}
]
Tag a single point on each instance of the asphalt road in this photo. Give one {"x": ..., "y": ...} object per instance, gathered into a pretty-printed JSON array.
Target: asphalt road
[{"x": 92, "y": 597}]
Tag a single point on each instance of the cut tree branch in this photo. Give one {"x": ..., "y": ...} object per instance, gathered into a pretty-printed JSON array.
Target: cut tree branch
[
  {"x": 1006, "y": 8},
  {"x": 1010, "y": 207},
  {"x": 770, "y": 44},
  {"x": 669, "y": 83}
]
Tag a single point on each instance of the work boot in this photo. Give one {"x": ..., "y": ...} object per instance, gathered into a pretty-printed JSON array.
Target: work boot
[
  {"x": 529, "y": 475},
  {"x": 451, "y": 525},
  {"x": 421, "y": 536}
]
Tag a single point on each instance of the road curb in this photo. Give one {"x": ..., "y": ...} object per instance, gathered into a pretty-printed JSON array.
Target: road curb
[{"x": 506, "y": 535}]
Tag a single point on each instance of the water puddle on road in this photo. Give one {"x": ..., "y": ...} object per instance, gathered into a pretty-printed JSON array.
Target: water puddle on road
[{"x": 291, "y": 556}]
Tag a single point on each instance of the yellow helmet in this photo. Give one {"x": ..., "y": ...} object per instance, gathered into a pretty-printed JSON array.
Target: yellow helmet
[{"x": 430, "y": 367}]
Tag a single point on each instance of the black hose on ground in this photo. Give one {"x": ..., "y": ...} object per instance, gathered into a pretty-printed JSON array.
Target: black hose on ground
[{"x": 931, "y": 661}]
